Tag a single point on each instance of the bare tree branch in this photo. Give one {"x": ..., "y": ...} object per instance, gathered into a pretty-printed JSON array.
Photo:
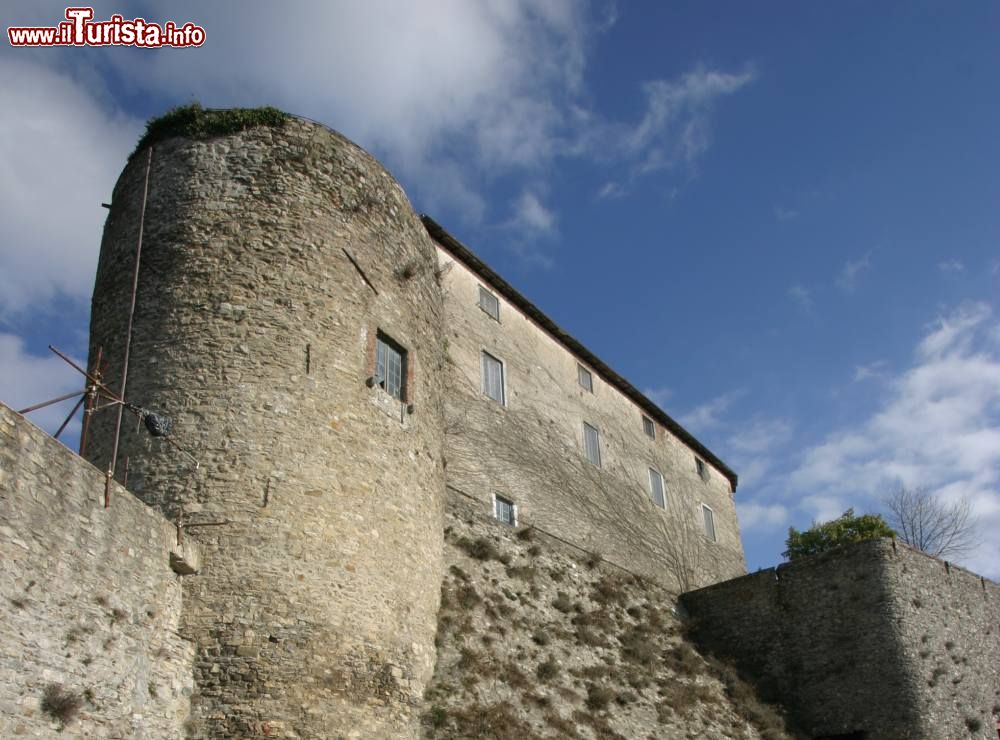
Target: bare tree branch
[{"x": 928, "y": 523}]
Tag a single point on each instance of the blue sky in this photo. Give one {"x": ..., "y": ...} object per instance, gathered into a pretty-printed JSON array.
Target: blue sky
[{"x": 782, "y": 221}]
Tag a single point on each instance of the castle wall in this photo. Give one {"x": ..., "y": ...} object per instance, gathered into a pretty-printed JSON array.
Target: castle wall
[
  {"x": 271, "y": 259},
  {"x": 530, "y": 449},
  {"x": 868, "y": 638},
  {"x": 89, "y": 601}
]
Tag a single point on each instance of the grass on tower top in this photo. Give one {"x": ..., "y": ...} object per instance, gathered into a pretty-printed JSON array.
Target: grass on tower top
[{"x": 196, "y": 122}]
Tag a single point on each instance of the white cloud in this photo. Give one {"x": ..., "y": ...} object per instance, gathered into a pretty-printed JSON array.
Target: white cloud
[
  {"x": 785, "y": 214},
  {"x": 873, "y": 370},
  {"x": 851, "y": 272},
  {"x": 62, "y": 152},
  {"x": 709, "y": 414},
  {"x": 951, "y": 267},
  {"x": 611, "y": 190},
  {"x": 939, "y": 427},
  {"x": 758, "y": 516},
  {"x": 659, "y": 396},
  {"x": 27, "y": 379},
  {"x": 801, "y": 295},
  {"x": 760, "y": 435},
  {"x": 531, "y": 216}
]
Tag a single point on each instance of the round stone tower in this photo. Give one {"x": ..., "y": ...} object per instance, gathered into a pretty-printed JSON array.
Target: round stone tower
[{"x": 289, "y": 322}]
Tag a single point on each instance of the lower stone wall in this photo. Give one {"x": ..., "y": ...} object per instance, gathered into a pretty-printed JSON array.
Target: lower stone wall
[
  {"x": 872, "y": 640},
  {"x": 89, "y": 605}
]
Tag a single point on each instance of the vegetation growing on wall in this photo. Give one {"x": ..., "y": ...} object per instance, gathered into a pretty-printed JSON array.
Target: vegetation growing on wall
[
  {"x": 846, "y": 528},
  {"x": 195, "y": 122}
]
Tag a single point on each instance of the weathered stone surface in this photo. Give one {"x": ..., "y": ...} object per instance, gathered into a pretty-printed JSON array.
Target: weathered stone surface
[
  {"x": 88, "y": 601},
  {"x": 530, "y": 449},
  {"x": 321, "y": 569},
  {"x": 873, "y": 637}
]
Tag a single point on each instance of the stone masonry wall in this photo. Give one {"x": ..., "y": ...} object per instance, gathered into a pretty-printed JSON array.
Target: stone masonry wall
[
  {"x": 874, "y": 639},
  {"x": 530, "y": 449},
  {"x": 271, "y": 258},
  {"x": 88, "y": 601}
]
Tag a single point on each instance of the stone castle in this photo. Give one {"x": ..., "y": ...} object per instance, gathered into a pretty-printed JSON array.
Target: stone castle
[{"x": 344, "y": 372}]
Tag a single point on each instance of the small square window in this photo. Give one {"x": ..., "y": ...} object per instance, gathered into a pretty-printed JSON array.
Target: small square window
[
  {"x": 585, "y": 378},
  {"x": 649, "y": 427},
  {"x": 702, "y": 468},
  {"x": 505, "y": 511},
  {"x": 493, "y": 378},
  {"x": 489, "y": 303},
  {"x": 390, "y": 366},
  {"x": 709, "y": 522},
  {"x": 656, "y": 488},
  {"x": 592, "y": 444}
]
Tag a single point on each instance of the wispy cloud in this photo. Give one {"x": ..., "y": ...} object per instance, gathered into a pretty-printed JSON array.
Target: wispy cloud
[
  {"x": 951, "y": 267},
  {"x": 761, "y": 516},
  {"x": 939, "y": 427},
  {"x": 850, "y": 273},
  {"x": 785, "y": 214},
  {"x": 531, "y": 216},
  {"x": 872, "y": 370},
  {"x": 659, "y": 396},
  {"x": 611, "y": 190},
  {"x": 709, "y": 414},
  {"x": 27, "y": 379},
  {"x": 801, "y": 296}
]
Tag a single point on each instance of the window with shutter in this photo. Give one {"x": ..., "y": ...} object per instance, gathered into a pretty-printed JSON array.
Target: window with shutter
[
  {"x": 592, "y": 444},
  {"x": 493, "y": 378},
  {"x": 709, "y": 522},
  {"x": 656, "y": 488},
  {"x": 489, "y": 303}
]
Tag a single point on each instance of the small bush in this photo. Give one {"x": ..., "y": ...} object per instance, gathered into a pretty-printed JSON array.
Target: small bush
[
  {"x": 527, "y": 534},
  {"x": 436, "y": 716},
  {"x": 548, "y": 670},
  {"x": 479, "y": 548},
  {"x": 562, "y": 602},
  {"x": 467, "y": 596},
  {"x": 593, "y": 560},
  {"x": 60, "y": 704},
  {"x": 598, "y": 697},
  {"x": 534, "y": 551},
  {"x": 974, "y": 724},
  {"x": 541, "y": 637},
  {"x": 524, "y": 572}
]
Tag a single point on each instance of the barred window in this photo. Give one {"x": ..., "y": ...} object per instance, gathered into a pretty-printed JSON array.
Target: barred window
[
  {"x": 656, "y": 488},
  {"x": 390, "y": 366},
  {"x": 585, "y": 379},
  {"x": 489, "y": 303},
  {"x": 649, "y": 427},
  {"x": 709, "y": 522},
  {"x": 505, "y": 511},
  {"x": 493, "y": 378},
  {"x": 592, "y": 444}
]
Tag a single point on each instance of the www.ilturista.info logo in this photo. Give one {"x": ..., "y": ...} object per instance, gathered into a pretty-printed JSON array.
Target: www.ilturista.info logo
[{"x": 79, "y": 29}]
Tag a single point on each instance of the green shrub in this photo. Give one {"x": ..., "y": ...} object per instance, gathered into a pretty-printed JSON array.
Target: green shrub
[
  {"x": 195, "y": 122},
  {"x": 825, "y": 536}
]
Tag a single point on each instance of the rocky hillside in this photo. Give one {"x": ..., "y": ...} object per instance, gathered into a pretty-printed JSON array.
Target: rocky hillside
[{"x": 537, "y": 639}]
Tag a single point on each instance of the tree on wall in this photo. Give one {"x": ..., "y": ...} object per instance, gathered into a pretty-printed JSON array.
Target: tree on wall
[
  {"x": 823, "y": 536},
  {"x": 929, "y": 524}
]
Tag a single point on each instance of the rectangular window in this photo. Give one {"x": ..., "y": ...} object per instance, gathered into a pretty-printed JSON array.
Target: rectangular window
[
  {"x": 390, "y": 366},
  {"x": 649, "y": 427},
  {"x": 709, "y": 522},
  {"x": 656, "y": 488},
  {"x": 493, "y": 377},
  {"x": 505, "y": 511},
  {"x": 585, "y": 378},
  {"x": 489, "y": 303},
  {"x": 702, "y": 468},
  {"x": 592, "y": 444}
]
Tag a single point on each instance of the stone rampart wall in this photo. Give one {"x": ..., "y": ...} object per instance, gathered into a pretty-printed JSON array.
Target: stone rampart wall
[
  {"x": 89, "y": 602},
  {"x": 871, "y": 638}
]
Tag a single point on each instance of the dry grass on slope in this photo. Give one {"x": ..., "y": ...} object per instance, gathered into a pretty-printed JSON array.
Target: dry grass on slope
[{"x": 536, "y": 640}]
